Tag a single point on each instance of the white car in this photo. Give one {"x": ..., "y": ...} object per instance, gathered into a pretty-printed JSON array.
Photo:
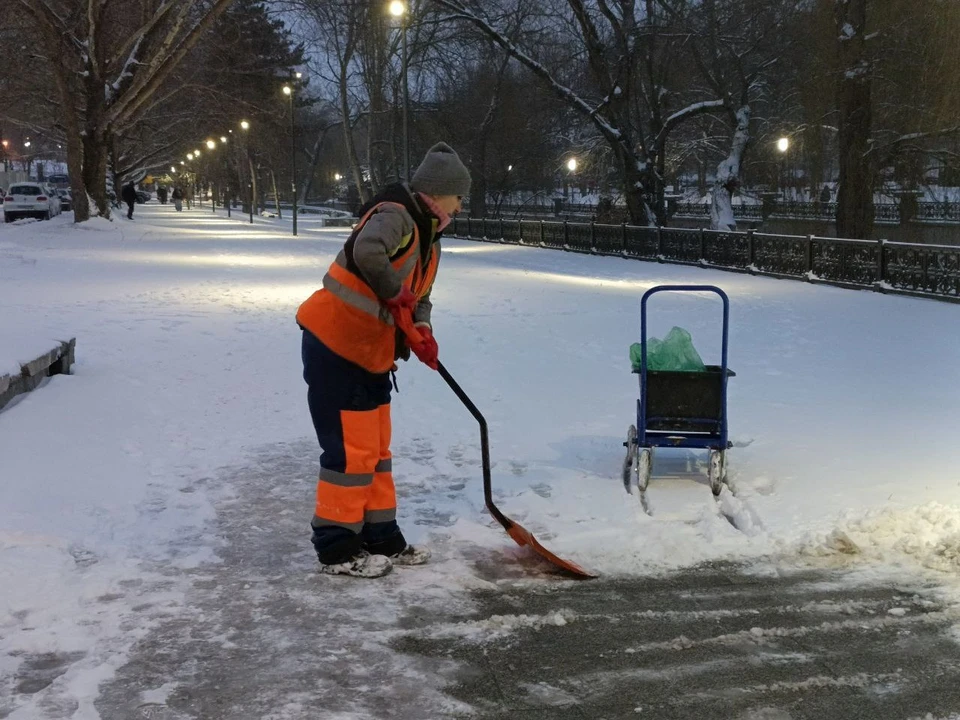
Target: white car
[{"x": 29, "y": 200}]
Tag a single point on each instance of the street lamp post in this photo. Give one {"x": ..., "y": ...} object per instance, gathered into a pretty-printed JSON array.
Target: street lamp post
[
  {"x": 211, "y": 144},
  {"x": 783, "y": 145},
  {"x": 291, "y": 92},
  {"x": 399, "y": 10},
  {"x": 197, "y": 183},
  {"x": 572, "y": 168},
  {"x": 227, "y": 200},
  {"x": 188, "y": 189},
  {"x": 27, "y": 158},
  {"x": 245, "y": 126}
]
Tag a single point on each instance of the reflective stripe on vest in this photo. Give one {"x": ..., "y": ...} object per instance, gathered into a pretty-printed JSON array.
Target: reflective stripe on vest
[
  {"x": 349, "y": 318},
  {"x": 358, "y": 300},
  {"x": 338, "y": 281}
]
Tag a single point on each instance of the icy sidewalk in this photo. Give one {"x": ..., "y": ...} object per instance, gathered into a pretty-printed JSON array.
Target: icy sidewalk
[
  {"x": 263, "y": 636},
  {"x": 143, "y": 523},
  {"x": 711, "y": 644}
]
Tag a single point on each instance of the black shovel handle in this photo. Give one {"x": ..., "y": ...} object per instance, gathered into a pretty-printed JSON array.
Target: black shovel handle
[{"x": 484, "y": 445}]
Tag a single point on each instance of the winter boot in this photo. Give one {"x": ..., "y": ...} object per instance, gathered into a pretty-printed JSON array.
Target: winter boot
[
  {"x": 363, "y": 564},
  {"x": 396, "y": 548},
  {"x": 410, "y": 555}
]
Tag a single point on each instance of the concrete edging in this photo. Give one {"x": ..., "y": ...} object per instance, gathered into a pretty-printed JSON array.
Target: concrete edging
[{"x": 56, "y": 361}]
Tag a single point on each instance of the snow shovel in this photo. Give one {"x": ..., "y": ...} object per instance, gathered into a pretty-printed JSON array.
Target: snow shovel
[{"x": 520, "y": 534}]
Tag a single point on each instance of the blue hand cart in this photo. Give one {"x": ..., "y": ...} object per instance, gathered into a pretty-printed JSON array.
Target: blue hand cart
[{"x": 679, "y": 409}]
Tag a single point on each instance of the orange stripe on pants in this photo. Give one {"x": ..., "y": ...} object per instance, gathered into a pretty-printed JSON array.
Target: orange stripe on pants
[
  {"x": 361, "y": 443},
  {"x": 341, "y": 505},
  {"x": 361, "y": 439},
  {"x": 382, "y": 494}
]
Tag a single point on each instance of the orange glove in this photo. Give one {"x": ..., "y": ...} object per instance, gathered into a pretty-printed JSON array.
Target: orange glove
[
  {"x": 426, "y": 351},
  {"x": 403, "y": 301}
]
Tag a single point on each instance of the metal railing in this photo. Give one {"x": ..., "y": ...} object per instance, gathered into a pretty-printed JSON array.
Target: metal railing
[
  {"x": 923, "y": 270},
  {"x": 884, "y": 213}
]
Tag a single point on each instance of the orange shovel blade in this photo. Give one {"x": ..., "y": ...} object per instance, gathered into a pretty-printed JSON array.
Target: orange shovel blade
[{"x": 524, "y": 537}]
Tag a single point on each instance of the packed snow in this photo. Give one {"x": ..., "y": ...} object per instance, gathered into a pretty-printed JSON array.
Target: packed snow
[{"x": 188, "y": 362}]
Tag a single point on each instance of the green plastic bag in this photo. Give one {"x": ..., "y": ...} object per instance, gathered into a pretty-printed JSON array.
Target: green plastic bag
[{"x": 674, "y": 352}]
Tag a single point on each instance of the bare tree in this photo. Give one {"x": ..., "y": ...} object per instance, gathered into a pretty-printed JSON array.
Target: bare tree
[
  {"x": 108, "y": 59},
  {"x": 337, "y": 30},
  {"x": 626, "y": 92},
  {"x": 735, "y": 45}
]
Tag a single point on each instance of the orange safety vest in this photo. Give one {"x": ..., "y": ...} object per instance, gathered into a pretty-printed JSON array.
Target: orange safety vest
[{"x": 347, "y": 316}]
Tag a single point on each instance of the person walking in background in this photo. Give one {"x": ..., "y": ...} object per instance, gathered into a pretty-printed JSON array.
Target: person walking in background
[
  {"x": 351, "y": 340},
  {"x": 128, "y": 193},
  {"x": 177, "y": 197}
]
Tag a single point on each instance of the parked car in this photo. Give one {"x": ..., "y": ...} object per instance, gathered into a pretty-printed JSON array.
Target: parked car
[
  {"x": 143, "y": 196},
  {"x": 27, "y": 200},
  {"x": 66, "y": 199},
  {"x": 53, "y": 194}
]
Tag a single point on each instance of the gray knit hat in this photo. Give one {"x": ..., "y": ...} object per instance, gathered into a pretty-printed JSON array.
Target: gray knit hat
[{"x": 441, "y": 173}]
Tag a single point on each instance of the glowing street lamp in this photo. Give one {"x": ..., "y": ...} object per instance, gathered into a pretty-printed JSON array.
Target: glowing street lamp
[
  {"x": 189, "y": 156},
  {"x": 244, "y": 125},
  {"x": 27, "y": 144},
  {"x": 223, "y": 139},
  {"x": 572, "y": 164},
  {"x": 783, "y": 144},
  {"x": 287, "y": 90},
  {"x": 173, "y": 168},
  {"x": 211, "y": 144},
  {"x": 338, "y": 177}
]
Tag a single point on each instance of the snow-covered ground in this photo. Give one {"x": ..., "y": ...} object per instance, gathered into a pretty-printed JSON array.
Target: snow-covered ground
[{"x": 842, "y": 411}]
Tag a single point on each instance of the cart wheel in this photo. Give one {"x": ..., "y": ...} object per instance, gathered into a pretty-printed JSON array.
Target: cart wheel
[
  {"x": 644, "y": 467},
  {"x": 718, "y": 470},
  {"x": 630, "y": 460}
]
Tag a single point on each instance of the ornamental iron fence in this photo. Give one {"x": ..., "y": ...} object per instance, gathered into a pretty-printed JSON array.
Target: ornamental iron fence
[
  {"x": 887, "y": 213},
  {"x": 924, "y": 270}
]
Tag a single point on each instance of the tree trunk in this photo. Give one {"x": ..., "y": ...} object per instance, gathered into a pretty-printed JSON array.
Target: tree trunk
[
  {"x": 659, "y": 204},
  {"x": 635, "y": 187},
  {"x": 78, "y": 190},
  {"x": 728, "y": 175},
  {"x": 94, "y": 172},
  {"x": 314, "y": 160},
  {"x": 478, "y": 196},
  {"x": 276, "y": 195},
  {"x": 478, "y": 189},
  {"x": 253, "y": 187},
  {"x": 855, "y": 193},
  {"x": 351, "y": 146}
]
